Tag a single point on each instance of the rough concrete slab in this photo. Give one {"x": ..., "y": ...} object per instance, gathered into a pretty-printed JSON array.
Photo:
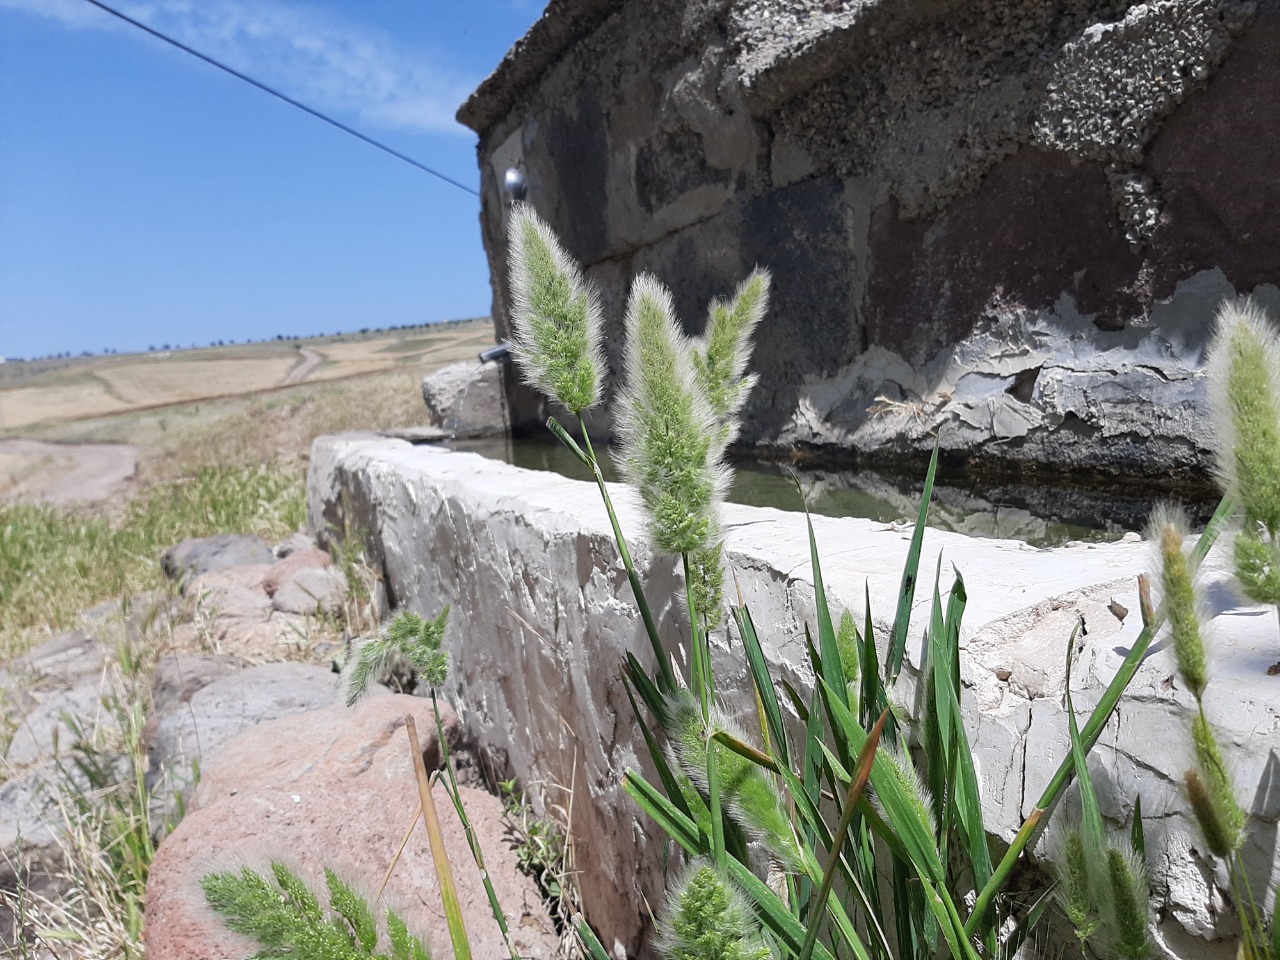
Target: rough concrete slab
[{"x": 542, "y": 616}]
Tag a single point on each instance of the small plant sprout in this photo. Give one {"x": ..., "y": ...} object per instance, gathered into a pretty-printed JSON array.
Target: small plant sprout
[
  {"x": 408, "y": 637},
  {"x": 1244, "y": 388},
  {"x": 707, "y": 919},
  {"x": 288, "y": 922},
  {"x": 555, "y": 315}
]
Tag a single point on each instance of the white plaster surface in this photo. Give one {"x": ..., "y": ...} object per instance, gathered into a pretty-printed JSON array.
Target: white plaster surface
[{"x": 543, "y": 616}]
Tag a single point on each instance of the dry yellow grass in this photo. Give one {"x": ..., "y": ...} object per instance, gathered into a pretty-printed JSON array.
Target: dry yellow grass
[
  {"x": 145, "y": 384},
  {"x": 24, "y": 406},
  {"x": 42, "y": 394}
]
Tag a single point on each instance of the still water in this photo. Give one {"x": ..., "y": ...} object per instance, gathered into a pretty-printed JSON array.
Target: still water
[{"x": 1042, "y": 516}]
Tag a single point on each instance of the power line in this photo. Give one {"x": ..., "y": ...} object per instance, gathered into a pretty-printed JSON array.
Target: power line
[{"x": 280, "y": 96}]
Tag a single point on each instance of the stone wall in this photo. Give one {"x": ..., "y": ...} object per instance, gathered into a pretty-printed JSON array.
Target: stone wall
[
  {"x": 542, "y": 616},
  {"x": 1008, "y": 219}
]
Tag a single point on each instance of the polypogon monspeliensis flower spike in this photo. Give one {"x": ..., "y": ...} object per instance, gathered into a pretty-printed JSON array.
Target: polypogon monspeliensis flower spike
[
  {"x": 706, "y": 918},
  {"x": 1128, "y": 905},
  {"x": 556, "y": 316},
  {"x": 706, "y": 567},
  {"x": 746, "y": 790},
  {"x": 1168, "y": 529},
  {"x": 721, "y": 354},
  {"x": 1244, "y": 389},
  {"x": 1212, "y": 793},
  {"x": 669, "y": 452}
]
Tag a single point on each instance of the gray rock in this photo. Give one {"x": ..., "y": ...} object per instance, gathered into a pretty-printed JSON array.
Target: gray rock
[
  {"x": 467, "y": 399},
  {"x": 28, "y": 809},
  {"x": 179, "y": 676},
  {"x": 60, "y": 718},
  {"x": 207, "y": 554},
  {"x": 294, "y": 543},
  {"x": 188, "y": 734},
  {"x": 57, "y": 693},
  {"x": 311, "y": 590}
]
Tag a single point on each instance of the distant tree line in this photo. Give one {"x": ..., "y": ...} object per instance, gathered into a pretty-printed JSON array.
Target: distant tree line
[{"x": 279, "y": 337}]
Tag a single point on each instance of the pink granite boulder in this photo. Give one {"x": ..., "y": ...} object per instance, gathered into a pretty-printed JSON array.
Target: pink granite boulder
[{"x": 335, "y": 787}]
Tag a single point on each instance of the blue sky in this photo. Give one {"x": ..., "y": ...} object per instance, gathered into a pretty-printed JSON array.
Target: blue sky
[{"x": 148, "y": 198}]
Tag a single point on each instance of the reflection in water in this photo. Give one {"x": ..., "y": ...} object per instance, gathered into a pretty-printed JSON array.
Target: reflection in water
[{"x": 1043, "y": 516}]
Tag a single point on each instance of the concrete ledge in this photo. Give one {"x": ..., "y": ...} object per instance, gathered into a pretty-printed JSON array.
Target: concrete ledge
[{"x": 543, "y": 616}]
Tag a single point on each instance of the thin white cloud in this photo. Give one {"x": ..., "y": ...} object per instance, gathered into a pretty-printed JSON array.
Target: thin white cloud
[{"x": 312, "y": 56}]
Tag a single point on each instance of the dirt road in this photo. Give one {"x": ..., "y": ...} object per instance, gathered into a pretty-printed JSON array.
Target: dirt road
[
  {"x": 308, "y": 361},
  {"x": 64, "y": 474}
]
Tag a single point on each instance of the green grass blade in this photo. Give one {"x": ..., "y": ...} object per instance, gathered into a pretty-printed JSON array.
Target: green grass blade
[
  {"x": 763, "y": 681},
  {"x": 664, "y": 813},
  {"x": 670, "y": 783},
  {"x": 916, "y": 835},
  {"x": 647, "y": 690},
  {"x": 1094, "y": 833},
  {"x": 832, "y": 669},
  {"x": 594, "y": 948},
  {"x": 938, "y": 718},
  {"x": 861, "y": 775},
  {"x": 873, "y": 699},
  {"x": 772, "y": 912},
  {"x": 965, "y": 799},
  {"x": 907, "y": 589},
  {"x": 1138, "y": 837},
  {"x": 666, "y": 678},
  {"x": 746, "y": 750}
]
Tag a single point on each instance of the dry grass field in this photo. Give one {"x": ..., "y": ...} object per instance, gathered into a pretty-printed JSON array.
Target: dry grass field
[
  {"x": 106, "y": 461},
  {"x": 49, "y": 392}
]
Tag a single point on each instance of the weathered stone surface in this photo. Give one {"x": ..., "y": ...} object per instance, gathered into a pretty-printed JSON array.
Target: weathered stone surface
[
  {"x": 923, "y": 178},
  {"x": 466, "y": 398},
  {"x": 448, "y": 529},
  {"x": 335, "y": 787},
  {"x": 207, "y": 554},
  {"x": 311, "y": 590},
  {"x": 56, "y": 693},
  {"x": 293, "y": 543},
  {"x": 183, "y": 733},
  {"x": 307, "y": 558}
]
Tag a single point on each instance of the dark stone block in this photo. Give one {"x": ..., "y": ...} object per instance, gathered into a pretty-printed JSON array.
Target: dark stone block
[
  {"x": 1217, "y": 163},
  {"x": 190, "y": 558},
  {"x": 1040, "y": 225},
  {"x": 577, "y": 144}
]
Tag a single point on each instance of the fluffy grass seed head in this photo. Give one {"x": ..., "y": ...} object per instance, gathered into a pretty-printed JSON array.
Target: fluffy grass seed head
[
  {"x": 556, "y": 316},
  {"x": 1213, "y": 798},
  {"x": 1243, "y": 366},
  {"x": 706, "y": 567},
  {"x": 747, "y": 792},
  {"x": 904, "y": 771},
  {"x": 1128, "y": 905},
  {"x": 1257, "y": 560},
  {"x": 721, "y": 354},
  {"x": 407, "y": 636},
  {"x": 1077, "y": 891},
  {"x": 706, "y": 918},
  {"x": 667, "y": 428},
  {"x": 1168, "y": 530}
]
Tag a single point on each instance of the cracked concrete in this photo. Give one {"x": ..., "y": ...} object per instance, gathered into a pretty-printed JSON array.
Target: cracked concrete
[{"x": 542, "y": 618}]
